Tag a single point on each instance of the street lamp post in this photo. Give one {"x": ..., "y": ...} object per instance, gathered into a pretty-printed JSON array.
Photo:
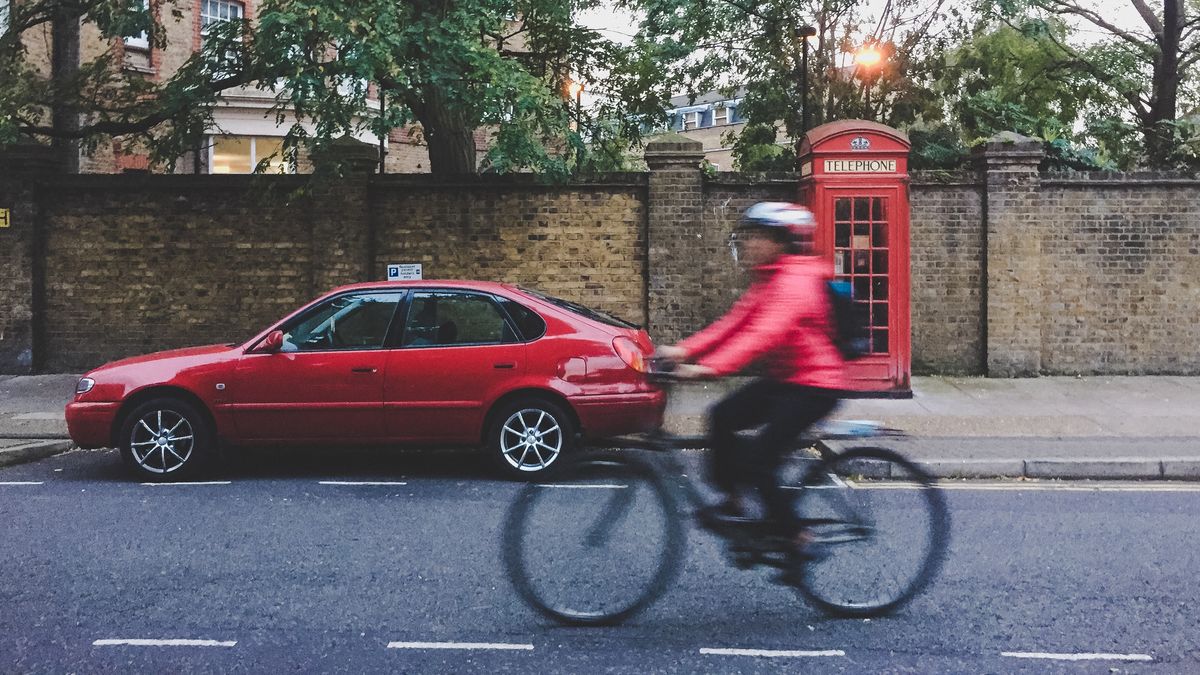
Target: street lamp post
[{"x": 576, "y": 91}]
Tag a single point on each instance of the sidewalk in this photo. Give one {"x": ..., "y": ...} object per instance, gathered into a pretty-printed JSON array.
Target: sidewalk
[{"x": 1049, "y": 427}]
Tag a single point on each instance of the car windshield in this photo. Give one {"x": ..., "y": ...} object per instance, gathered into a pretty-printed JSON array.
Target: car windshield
[{"x": 593, "y": 314}]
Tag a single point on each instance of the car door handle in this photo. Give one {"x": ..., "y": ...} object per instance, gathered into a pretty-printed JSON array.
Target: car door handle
[
  {"x": 363, "y": 370},
  {"x": 504, "y": 366}
]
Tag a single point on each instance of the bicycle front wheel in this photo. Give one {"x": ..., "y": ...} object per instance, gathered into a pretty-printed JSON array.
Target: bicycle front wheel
[
  {"x": 597, "y": 545},
  {"x": 880, "y": 532}
]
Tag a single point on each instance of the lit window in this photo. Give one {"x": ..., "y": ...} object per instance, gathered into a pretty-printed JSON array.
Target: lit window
[
  {"x": 216, "y": 11},
  {"x": 721, "y": 115},
  {"x": 241, "y": 154},
  {"x": 691, "y": 120},
  {"x": 142, "y": 40}
]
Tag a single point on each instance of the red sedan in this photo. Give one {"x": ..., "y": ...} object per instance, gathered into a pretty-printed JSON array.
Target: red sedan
[{"x": 445, "y": 363}]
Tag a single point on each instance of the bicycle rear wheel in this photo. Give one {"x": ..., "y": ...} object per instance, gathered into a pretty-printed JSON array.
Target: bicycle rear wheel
[
  {"x": 597, "y": 545},
  {"x": 880, "y": 532}
]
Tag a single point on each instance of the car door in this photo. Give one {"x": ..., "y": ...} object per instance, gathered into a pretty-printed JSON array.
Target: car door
[
  {"x": 326, "y": 382},
  {"x": 457, "y": 352}
]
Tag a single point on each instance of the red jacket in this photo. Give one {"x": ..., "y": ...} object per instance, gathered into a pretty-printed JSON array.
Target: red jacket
[{"x": 785, "y": 316}]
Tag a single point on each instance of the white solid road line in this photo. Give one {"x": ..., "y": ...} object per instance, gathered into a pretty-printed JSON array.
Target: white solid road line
[
  {"x": 1078, "y": 657},
  {"x": 21, "y": 482},
  {"x": 459, "y": 645},
  {"x": 772, "y": 653},
  {"x": 138, "y": 642},
  {"x": 359, "y": 482},
  {"x": 198, "y": 482},
  {"x": 598, "y": 486}
]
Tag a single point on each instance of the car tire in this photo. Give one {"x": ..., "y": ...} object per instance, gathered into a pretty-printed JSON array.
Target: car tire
[
  {"x": 529, "y": 437},
  {"x": 166, "y": 439}
]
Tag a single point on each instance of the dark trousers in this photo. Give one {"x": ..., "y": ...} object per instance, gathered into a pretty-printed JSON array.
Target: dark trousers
[{"x": 783, "y": 411}]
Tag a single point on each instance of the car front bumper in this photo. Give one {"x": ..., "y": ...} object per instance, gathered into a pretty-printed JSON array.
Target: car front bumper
[{"x": 90, "y": 424}]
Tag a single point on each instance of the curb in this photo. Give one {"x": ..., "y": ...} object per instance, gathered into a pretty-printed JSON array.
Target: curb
[
  {"x": 1088, "y": 468},
  {"x": 31, "y": 452}
]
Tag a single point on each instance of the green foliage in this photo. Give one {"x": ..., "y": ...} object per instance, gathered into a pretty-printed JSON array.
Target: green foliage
[
  {"x": 757, "y": 149},
  {"x": 939, "y": 147}
]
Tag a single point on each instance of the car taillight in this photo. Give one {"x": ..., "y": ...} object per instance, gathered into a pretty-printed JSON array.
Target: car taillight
[{"x": 630, "y": 353}]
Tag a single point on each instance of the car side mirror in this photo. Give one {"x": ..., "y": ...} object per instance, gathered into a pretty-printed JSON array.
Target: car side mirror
[{"x": 272, "y": 343}]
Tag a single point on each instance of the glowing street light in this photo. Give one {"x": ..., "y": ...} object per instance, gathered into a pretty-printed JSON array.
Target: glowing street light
[
  {"x": 575, "y": 89},
  {"x": 868, "y": 57},
  {"x": 868, "y": 60}
]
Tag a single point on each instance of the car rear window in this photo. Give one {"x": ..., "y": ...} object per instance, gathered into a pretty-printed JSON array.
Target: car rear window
[
  {"x": 529, "y": 324},
  {"x": 574, "y": 307}
]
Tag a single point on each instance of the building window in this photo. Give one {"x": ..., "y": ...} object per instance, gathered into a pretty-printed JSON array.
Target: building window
[
  {"x": 241, "y": 154},
  {"x": 721, "y": 115},
  {"x": 691, "y": 120},
  {"x": 216, "y": 11},
  {"x": 142, "y": 40},
  {"x": 4, "y": 8}
]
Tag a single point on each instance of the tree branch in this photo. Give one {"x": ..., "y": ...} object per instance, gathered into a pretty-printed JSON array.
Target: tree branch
[
  {"x": 1064, "y": 7},
  {"x": 1148, "y": 16},
  {"x": 1074, "y": 59},
  {"x": 122, "y": 127}
]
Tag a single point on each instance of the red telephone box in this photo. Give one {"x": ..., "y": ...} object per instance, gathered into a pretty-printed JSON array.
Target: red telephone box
[{"x": 854, "y": 177}]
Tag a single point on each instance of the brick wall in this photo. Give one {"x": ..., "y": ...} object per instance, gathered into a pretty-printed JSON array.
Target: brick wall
[
  {"x": 1120, "y": 261},
  {"x": 136, "y": 264},
  {"x": 583, "y": 242},
  {"x": 1020, "y": 275},
  {"x": 947, "y": 273}
]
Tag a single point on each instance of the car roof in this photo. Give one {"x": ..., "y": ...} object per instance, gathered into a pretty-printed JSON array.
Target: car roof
[{"x": 486, "y": 286}]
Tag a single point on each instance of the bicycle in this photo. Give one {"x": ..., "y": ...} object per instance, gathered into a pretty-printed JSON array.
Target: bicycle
[{"x": 627, "y": 517}]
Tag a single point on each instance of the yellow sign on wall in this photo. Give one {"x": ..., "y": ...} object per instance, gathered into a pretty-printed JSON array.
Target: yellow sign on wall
[{"x": 3, "y": 217}]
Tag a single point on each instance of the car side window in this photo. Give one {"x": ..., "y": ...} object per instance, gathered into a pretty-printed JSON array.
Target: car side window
[
  {"x": 528, "y": 322},
  {"x": 353, "y": 321},
  {"x": 447, "y": 318}
]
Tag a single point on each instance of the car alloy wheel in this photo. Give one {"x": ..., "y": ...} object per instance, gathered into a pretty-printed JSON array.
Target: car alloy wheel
[
  {"x": 162, "y": 441},
  {"x": 531, "y": 439},
  {"x": 166, "y": 439}
]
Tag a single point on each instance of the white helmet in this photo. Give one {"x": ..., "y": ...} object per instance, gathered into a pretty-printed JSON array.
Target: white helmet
[{"x": 795, "y": 220}]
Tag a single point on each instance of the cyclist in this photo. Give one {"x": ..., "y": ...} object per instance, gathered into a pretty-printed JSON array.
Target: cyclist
[{"x": 786, "y": 320}]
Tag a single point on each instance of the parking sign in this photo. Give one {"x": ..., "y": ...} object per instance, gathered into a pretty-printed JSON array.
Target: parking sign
[{"x": 404, "y": 272}]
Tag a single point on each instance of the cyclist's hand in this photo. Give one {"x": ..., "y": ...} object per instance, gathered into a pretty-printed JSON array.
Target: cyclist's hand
[
  {"x": 671, "y": 353},
  {"x": 693, "y": 372}
]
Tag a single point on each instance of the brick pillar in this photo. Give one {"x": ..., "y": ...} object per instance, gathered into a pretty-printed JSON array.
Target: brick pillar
[
  {"x": 342, "y": 238},
  {"x": 1013, "y": 255},
  {"x": 21, "y": 167},
  {"x": 675, "y": 237}
]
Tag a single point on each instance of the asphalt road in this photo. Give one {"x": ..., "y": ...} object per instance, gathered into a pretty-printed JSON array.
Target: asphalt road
[{"x": 276, "y": 571}]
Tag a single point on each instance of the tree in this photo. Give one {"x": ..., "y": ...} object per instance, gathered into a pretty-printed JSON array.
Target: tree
[
  {"x": 453, "y": 66},
  {"x": 728, "y": 44},
  {"x": 1146, "y": 66}
]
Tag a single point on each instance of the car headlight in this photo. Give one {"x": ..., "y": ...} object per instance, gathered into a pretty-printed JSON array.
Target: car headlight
[{"x": 85, "y": 385}]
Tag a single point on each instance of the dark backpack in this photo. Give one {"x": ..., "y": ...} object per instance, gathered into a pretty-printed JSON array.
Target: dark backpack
[{"x": 851, "y": 322}]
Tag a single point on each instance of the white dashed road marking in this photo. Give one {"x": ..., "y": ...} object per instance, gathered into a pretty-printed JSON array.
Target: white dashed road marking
[
  {"x": 21, "y": 482},
  {"x": 360, "y": 482},
  {"x": 139, "y": 642},
  {"x": 772, "y": 653},
  {"x": 1078, "y": 657},
  {"x": 201, "y": 482},
  {"x": 459, "y": 645},
  {"x": 600, "y": 486}
]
